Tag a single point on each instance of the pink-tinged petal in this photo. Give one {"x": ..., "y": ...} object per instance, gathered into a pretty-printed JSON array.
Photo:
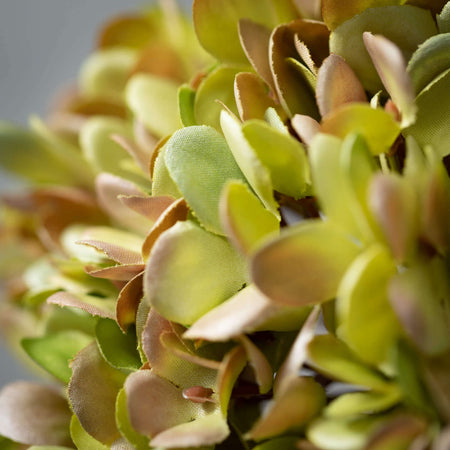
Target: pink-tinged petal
[
  {"x": 31, "y": 413},
  {"x": 309, "y": 9},
  {"x": 117, "y": 253},
  {"x": 394, "y": 205},
  {"x": 245, "y": 312},
  {"x": 204, "y": 431},
  {"x": 109, "y": 187},
  {"x": 391, "y": 67},
  {"x": 260, "y": 365},
  {"x": 231, "y": 367},
  {"x": 140, "y": 157},
  {"x": 297, "y": 355},
  {"x": 305, "y": 54},
  {"x": 168, "y": 364},
  {"x": 198, "y": 394},
  {"x": 291, "y": 410},
  {"x": 178, "y": 210},
  {"x": 305, "y": 265},
  {"x": 128, "y": 301},
  {"x": 252, "y": 97},
  {"x": 306, "y": 127},
  {"x": 337, "y": 84},
  {"x": 255, "y": 42},
  {"x": 155, "y": 404},
  {"x": 93, "y": 389},
  {"x": 149, "y": 207},
  {"x": 116, "y": 273},
  {"x": 92, "y": 305}
]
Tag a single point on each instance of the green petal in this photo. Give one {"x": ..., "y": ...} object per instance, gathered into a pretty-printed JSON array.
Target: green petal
[
  {"x": 407, "y": 27},
  {"x": 429, "y": 61},
  {"x": 178, "y": 257},
  {"x": 366, "y": 322},
  {"x": 257, "y": 175},
  {"x": 186, "y": 100},
  {"x": 332, "y": 357},
  {"x": 244, "y": 218},
  {"x": 284, "y": 156},
  {"x": 162, "y": 182},
  {"x": 95, "y": 383},
  {"x": 139, "y": 441},
  {"x": 432, "y": 124},
  {"x": 200, "y": 163},
  {"x": 305, "y": 265},
  {"x": 443, "y": 19},
  {"x": 53, "y": 352},
  {"x": 216, "y": 88},
  {"x": 119, "y": 349},
  {"x": 105, "y": 72},
  {"x": 154, "y": 101},
  {"x": 82, "y": 439},
  {"x": 378, "y": 127}
]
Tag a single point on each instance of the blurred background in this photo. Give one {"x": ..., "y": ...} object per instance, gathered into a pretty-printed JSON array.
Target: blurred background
[{"x": 42, "y": 45}]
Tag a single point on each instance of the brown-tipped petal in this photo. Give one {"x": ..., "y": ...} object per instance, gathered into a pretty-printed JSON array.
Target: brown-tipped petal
[
  {"x": 204, "y": 431},
  {"x": 34, "y": 414},
  {"x": 149, "y": 207},
  {"x": 155, "y": 404},
  {"x": 337, "y": 84},
  {"x": 261, "y": 367},
  {"x": 255, "y": 42},
  {"x": 101, "y": 308},
  {"x": 178, "y": 210},
  {"x": 305, "y": 54},
  {"x": 93, "y": 389},
  {"x": 109, "y": 187},
  {"x": 128, "y": 301},
  {"x": 297, "y": 355},
  {"x": 251, "y": 95},
  {"x": 167, "y": 364},
  {"x": 391, "y": 67},
  {"x": 306, "y": 127},
  {"x": 117, "y": 273},
  {"x": 118, "y": 254},
  {"x": 231, "y": 367},
  {"x": 172, "y": 343},
  {"x": 292, "y": 409},
  {"x": 393, "y": 203},
  {"x": 134, "y": 150}
]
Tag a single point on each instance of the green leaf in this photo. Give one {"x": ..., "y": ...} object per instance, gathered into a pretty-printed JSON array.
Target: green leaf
[
  {"x": 305, "y": 265},
  {"x": 429, "y": 61},
  {"x": 200, "y": 163},
  {"x": 332, "y": 357},
  {"x": 432, "y": 124},
  {"x": 82, "y": 439},
  {"x": 119, "y": 349},
  {"x": 283, "y": 155},
  {"x": 154, "y": 101},
  {"x": 217, "y": 86},
  {"x": 162, "y": 182},
  {"x": 43, "y": 447},
  {"x": 105, "y": 72},
  {"x": 256, "y": 174},
  {"x": 407, "y": 27},
  {"x": 179, "y": 256},
  {"x": 53, "y": 352},
  {"x": 186, "y": 100},
  {"x": 244, "y": 218},
  {"x": 139, "y": 441},
  {"x": 366, "y": 321},
  {"x": 376, "y": 126},
  {"x": 443, "y": 19}
]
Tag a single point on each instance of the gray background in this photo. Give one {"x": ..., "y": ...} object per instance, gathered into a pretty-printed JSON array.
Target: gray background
[{"x": 42, "y": 44}]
